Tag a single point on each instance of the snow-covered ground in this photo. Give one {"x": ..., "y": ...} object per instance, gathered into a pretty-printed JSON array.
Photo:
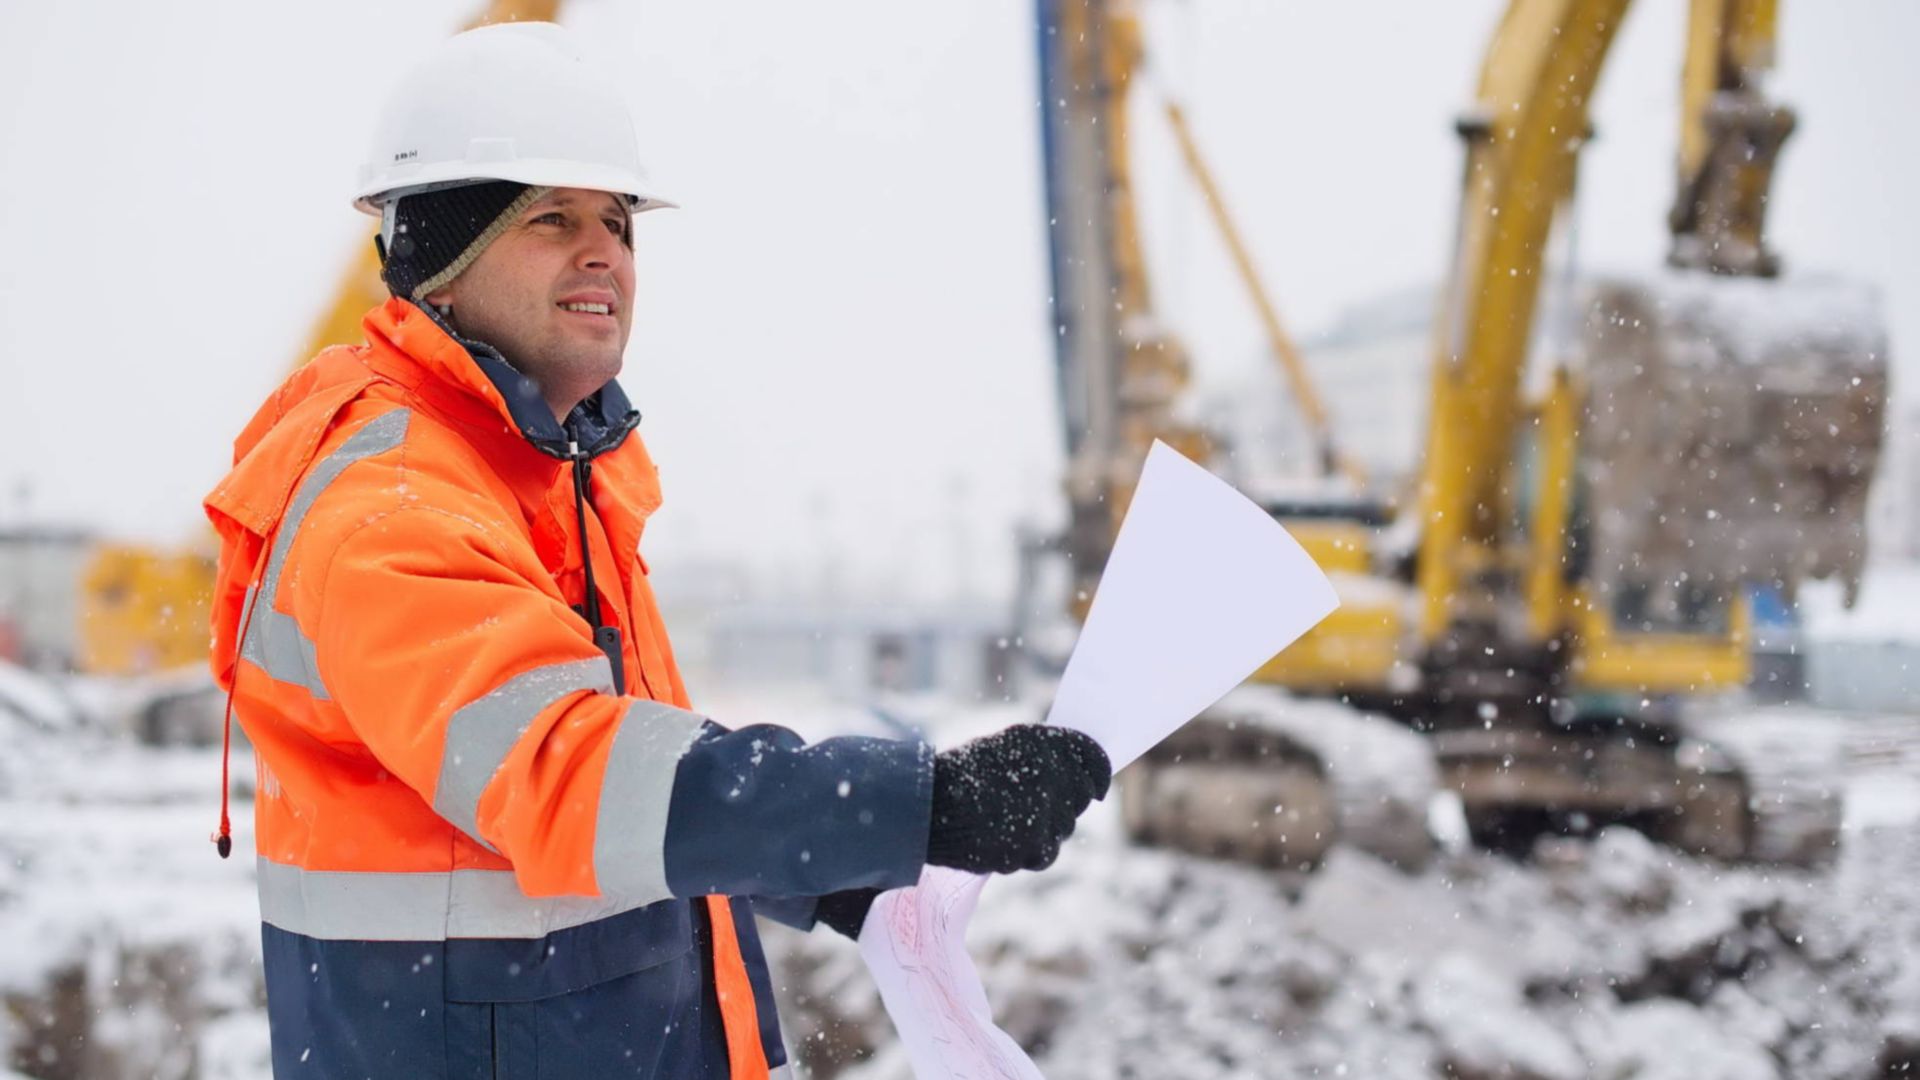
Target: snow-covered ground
[
  {"x": 1611, "y": 959},
  {"x": 128, "y": 949}
]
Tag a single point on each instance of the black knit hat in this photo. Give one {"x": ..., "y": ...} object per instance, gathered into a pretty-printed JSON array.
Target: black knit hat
[{"x": 437, "y": 234}]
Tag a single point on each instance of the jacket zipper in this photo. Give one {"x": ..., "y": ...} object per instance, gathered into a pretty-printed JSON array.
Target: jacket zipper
[{"x": 606, "y": 637}]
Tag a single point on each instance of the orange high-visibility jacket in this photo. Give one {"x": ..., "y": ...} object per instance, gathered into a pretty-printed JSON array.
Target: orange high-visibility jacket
[{"x": 470, "y": 845}]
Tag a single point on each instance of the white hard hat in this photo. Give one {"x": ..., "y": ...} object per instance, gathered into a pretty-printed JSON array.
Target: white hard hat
[{"x": 515, "y": 101}]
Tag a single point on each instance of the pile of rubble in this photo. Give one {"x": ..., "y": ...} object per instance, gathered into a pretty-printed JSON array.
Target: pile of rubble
[{"x": 1612, "y": 958}]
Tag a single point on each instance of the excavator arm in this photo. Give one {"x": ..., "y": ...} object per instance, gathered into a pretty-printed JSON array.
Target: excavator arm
[
  {"x": 1730, "y": 138},
  {"x": 1523, "y": 142}
]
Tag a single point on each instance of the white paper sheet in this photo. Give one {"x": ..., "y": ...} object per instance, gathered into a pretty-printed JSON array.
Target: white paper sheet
[
  {"x": 1202, "y": 588},
  {"x": 915, "y": 944}
]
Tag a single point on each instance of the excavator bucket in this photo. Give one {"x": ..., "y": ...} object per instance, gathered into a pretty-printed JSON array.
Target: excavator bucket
[{"x": 1726, "y": 416}]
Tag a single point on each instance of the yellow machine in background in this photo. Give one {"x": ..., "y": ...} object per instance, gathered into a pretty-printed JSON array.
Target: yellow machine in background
[
  {"x": 144, "y": 609},
  {"x": 1572, "y": 564}
]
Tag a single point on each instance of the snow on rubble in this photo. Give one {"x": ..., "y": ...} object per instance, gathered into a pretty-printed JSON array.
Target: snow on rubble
[
  {"x": 1614, "y": 959},
  {"x": 127, "y": 948},
  {"x": 131, "y": 951}
]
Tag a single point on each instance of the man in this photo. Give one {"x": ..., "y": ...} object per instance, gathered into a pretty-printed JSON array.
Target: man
[{"x": 492, "y": 839}]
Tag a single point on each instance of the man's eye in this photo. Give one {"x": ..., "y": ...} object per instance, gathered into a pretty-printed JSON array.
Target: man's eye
[
  {"x": 551, "y": 217},
  {"x": 617, "y": 227}
]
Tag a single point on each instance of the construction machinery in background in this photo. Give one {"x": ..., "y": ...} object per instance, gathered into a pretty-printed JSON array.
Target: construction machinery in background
[
  {"x": 1570, "y": 567},
  {"x": 144, "y": 609}
]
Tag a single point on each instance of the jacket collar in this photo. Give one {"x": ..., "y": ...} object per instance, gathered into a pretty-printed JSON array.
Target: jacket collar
[{"x": 597, "y": 425}]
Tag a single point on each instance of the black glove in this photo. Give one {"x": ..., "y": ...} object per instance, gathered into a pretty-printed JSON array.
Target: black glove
[
  {"x": 845, "y": 911},
  {"x": 1005, "y": 802}
]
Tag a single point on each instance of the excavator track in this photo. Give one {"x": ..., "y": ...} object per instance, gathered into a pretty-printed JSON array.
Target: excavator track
[
  {"x": 1748, "y": 793},
  {"x": 1271, "y": 780},
  {"x": 1793, "y": 785},
  {"x": 1517, "y": 781}
]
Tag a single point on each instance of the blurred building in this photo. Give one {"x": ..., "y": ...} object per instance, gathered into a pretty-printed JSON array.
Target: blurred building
[
  {"x": 1895, "y": 524},
  {"x": 1866, "y": 658},
  {"x": 691, "y": 593},
  {"x": 40, "y": 574},
  {"x": 857, "y": 652},
  {"x": 1371, "y": 369},
  {"x": 731, "y": 631}
]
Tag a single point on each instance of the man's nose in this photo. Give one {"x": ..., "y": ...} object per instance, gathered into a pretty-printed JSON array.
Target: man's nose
[{"x": 602, "y": 250}]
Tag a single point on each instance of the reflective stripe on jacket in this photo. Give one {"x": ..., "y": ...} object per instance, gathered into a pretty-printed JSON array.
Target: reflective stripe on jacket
[{"x": 473, "y": 853}]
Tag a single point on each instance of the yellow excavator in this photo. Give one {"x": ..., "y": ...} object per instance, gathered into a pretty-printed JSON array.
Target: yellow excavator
[{"x": 1571, "y": 567}]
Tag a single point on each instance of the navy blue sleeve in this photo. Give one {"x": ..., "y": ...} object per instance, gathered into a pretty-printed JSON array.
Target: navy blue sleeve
[
  {"x": 794, "y": 911},
  {"x": 758, "y": 812}
]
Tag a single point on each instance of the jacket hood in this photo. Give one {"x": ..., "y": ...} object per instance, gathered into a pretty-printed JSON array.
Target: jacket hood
[
  {"x": 269, "y": 457},
  {"x": 409, "y": 347}
]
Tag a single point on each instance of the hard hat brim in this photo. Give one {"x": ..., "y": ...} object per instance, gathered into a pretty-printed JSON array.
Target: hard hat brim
[{"x": 392, "y": 183}]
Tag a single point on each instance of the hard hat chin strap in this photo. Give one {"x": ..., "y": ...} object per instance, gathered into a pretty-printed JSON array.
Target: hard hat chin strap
[{"x": 390, "y": 228}]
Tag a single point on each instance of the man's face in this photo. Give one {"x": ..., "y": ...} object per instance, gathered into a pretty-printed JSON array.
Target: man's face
[{"x": 554, "y": 293}]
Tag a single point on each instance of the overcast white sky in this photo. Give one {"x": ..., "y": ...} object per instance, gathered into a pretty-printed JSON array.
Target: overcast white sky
[{"x": 842, "y": 341}]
